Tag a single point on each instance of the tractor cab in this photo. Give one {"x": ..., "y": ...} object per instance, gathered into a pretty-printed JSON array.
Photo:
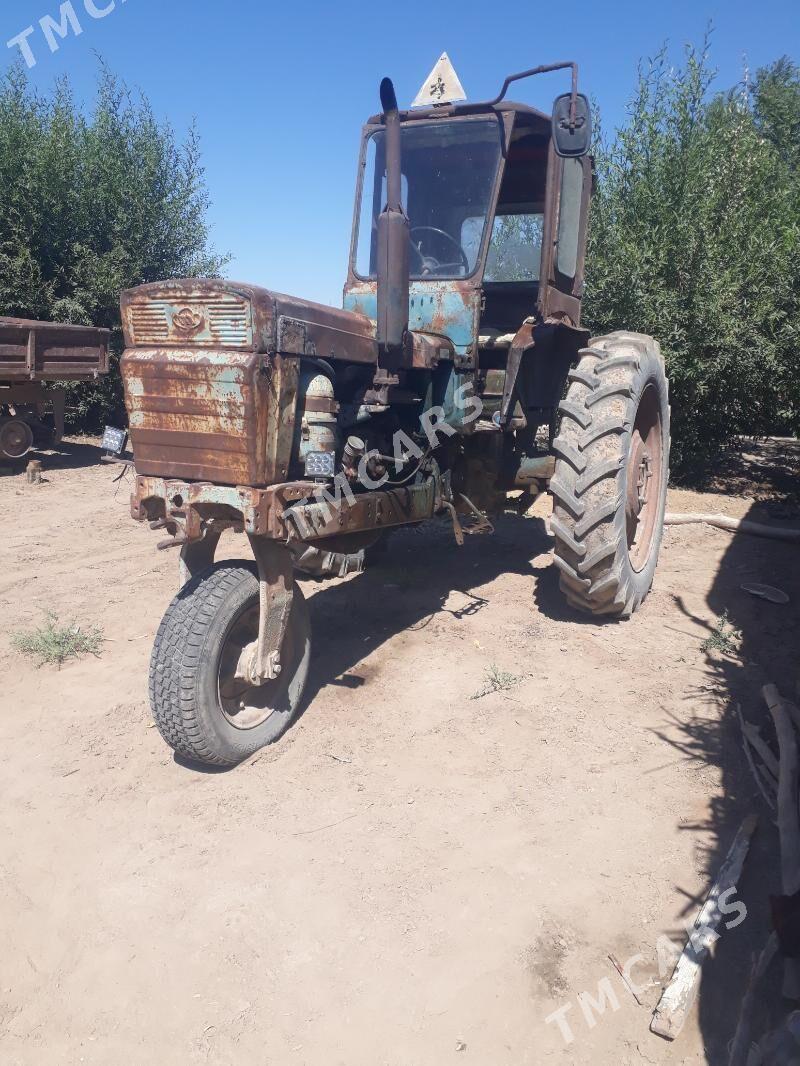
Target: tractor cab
[{"x": 496, "y": 208}]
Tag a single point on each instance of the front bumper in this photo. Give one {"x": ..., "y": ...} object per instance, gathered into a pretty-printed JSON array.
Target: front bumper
[{"x": 288, "y": 512}]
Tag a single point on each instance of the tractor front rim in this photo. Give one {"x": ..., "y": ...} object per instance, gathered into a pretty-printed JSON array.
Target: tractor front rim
[
  {"x": 246, "y": 706},
  {"x": 643, "y": 479}
]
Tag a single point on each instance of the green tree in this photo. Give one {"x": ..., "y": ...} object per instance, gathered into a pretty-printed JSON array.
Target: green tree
[
  {"x": 776, "y": 103},
  {"x": 695, "y": 238},
  {"x": 93, "y": 203}
]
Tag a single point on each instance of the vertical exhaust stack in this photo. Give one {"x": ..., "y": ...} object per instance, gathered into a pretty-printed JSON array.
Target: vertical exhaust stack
[{"x": 393, "y": 240}]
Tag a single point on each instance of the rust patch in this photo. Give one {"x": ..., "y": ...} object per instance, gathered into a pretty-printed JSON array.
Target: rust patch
[{"x": 227, "y": 417}]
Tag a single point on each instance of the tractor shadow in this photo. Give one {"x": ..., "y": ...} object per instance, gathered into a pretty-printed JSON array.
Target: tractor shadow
[
  {"x": 417, "y": 572},
  {"x": 409, "y": 586}
]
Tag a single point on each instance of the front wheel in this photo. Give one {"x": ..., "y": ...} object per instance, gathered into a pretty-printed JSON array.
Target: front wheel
[
  {"x": 203, "y": 710},
  {"x": 609, "y": 487}
]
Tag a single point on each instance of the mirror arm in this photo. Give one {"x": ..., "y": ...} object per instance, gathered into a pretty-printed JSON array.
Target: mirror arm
[{"x": 543, "y": 70}]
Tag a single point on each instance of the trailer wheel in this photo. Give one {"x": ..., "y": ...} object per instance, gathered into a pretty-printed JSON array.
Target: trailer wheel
[
  {"x": 612, "y": 467},
  {"x": 201, "y": 709},
  {"x": 16, "y": 438}
]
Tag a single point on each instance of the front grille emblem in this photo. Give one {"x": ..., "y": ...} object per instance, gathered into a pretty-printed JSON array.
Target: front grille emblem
[{"x": 188, "y": 321}]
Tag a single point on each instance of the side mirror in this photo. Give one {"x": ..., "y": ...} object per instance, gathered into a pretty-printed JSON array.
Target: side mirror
[{"x": 572, "y": 137}]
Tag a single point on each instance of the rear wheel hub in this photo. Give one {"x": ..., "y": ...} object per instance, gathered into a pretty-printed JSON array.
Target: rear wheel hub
[{"x": 643, "y": 479}]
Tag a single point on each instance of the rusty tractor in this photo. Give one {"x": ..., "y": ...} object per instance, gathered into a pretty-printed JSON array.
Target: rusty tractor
[
  {"x": 456, "y": 380},
  {"x": 31, "y": 355}
]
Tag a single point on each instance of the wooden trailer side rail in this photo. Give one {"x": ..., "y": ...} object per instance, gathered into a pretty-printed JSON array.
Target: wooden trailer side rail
[{"x": 48, "y": 351}]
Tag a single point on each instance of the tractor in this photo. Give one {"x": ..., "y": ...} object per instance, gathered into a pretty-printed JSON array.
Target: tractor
[{"x": 456, "y": 381}]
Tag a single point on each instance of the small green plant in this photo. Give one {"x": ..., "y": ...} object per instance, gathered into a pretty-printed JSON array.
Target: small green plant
[
  {"x": 53, "y": 642},
  {"x": 724, "y": 637},
  {"x": 496, "y": 680}
]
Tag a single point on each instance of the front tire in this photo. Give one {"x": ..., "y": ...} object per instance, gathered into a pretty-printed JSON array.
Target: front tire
[
  {"x": 609, "y": 487},
  {"x": 201, "y": 709}
]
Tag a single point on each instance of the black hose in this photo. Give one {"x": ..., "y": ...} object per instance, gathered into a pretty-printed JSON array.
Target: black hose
[
  {"x": 321, "y": 364},
  {"x": 416, "y": 469}
]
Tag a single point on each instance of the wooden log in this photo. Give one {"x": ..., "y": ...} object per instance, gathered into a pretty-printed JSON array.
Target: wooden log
[
  {"x": 760, "y": 774},
  {"x": 733, "y": 525},
  {"x": 779, "y": 1047},
  {"x": 740, "y": 1048},
  {"x": 679, "y": 995},
  {"x": 761, "y": 747},
  {"x": 791, "y": 708},
  {"x": 788, "y": 816}
]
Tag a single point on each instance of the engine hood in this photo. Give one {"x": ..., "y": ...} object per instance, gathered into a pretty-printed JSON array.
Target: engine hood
[
  {"x": 210, "y": 313},
  {"x": 196, "y": 314}
]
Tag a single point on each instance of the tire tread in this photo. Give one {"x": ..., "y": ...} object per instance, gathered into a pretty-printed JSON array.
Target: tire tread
[{"x": 588, "y": 485}]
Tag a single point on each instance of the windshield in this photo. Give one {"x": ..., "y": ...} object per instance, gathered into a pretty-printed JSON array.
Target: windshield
[{"x": 449, "y": 170}]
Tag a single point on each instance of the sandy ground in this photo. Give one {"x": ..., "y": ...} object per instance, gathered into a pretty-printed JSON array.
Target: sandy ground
[{"x": 411, "y": 877}]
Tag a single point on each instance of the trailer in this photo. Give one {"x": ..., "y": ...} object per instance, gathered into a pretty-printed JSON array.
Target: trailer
[{"x": 33, "y": 354}]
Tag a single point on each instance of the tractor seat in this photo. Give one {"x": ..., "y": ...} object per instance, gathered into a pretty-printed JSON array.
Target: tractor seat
[{"x": 493, "y": 338}]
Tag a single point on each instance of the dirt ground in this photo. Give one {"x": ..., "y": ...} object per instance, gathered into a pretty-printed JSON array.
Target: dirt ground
[{"x": 412, "y": 876}]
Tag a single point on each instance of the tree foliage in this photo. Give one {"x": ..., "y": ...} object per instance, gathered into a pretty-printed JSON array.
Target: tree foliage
[
  {"x": 92, "y": 204},
  {"x": 695, "y": 238}
]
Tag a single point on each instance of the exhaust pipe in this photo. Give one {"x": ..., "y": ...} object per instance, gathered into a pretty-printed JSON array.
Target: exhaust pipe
[{"x": 392, "y": 245}]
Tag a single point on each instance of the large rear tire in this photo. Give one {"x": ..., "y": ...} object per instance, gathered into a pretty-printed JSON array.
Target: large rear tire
[
  {"x": 201, "y": 709},
  {"x": 612, "y": 467}
]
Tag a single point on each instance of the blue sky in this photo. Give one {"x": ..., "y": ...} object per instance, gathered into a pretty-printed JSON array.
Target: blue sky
[{"x": 280, "y": 90}]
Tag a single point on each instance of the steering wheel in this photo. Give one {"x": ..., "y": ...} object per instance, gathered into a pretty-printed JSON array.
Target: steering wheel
[{"x": 431, "y": 265}]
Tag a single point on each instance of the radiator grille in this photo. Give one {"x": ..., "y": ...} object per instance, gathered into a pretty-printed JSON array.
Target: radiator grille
[
  {"x": 149, "y": 323},
  {"x": 194, "y": 319}
]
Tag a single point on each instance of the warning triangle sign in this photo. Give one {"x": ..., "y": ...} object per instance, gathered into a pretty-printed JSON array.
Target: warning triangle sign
[{"x": 441, "y": 86}]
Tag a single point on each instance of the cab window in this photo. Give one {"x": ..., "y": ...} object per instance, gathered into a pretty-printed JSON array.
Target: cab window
[
  {"x": 449, "y": 172},
  {"x": 515, "y": 250}
]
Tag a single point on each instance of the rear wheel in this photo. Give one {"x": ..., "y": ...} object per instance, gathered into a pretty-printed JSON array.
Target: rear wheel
[
  {"x": 612, "y": 467},
  {"x": 202, "y": 709}
]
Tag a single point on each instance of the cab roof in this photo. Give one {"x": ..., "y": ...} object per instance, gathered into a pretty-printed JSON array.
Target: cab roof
[{"x": 528, "y": 115}]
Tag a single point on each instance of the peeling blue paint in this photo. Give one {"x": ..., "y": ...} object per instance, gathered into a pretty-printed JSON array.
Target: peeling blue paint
[
  {"x": 446, "y": 382},
  {"x": 433, "y": 306}
]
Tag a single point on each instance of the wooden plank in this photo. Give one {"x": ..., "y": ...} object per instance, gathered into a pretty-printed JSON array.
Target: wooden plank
[
  {"x": 31, "y": 354},
  {"x": 42, "y": 351},
  {"x": 679, "y": 995}
]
